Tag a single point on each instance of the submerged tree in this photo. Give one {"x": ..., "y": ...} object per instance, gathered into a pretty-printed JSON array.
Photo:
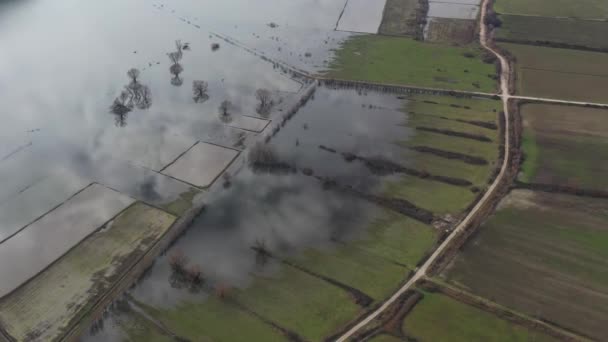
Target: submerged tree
[
  {"x": 199, "y": 88},
  {"x": 265, "y": 104},
  {"x": 224, "y": 110},
  {"x": 133, "y": 74}
]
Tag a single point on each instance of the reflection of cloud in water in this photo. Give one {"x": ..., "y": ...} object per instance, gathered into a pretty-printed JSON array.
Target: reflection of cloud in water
[{"x": 288, "y": 213}]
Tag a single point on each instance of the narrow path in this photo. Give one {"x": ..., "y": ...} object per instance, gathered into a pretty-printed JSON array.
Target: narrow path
[{"x": 421, "y": 272}]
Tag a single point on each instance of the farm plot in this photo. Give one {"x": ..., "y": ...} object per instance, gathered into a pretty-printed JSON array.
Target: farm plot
[
  {"x": 544, "y": 255},
  {"x": 38, "y": 245},
  {"x": 362, "y": 16},
  {"x": 448, "y": 30},
  {"x": 48, "y": 305},
  {"x": 559, "y": 73},
  {"x": 451, "y": 148},
  {"x": 597, "y": 9},
  {"x": 401, "y": 18},
  {"x": 556, "y": 32},
  {"x": 565, "y": 145},
  {"x": 380, "y": 59},
  {"x": 433, "y": 319},
  {"x": 453, "y": 10}
]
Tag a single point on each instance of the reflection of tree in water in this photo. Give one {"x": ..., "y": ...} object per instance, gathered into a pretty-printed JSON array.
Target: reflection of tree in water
[
  {"x": 134, "y": 95},
  {"x": 175, "y": 69},
  {"x": 199, "y": 88},
  {"x": 266, "y": 102},
  {"x": 224, "y": 112}
]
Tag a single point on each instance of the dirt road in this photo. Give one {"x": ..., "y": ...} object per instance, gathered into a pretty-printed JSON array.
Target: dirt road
[{"x": 485, "y": 41}]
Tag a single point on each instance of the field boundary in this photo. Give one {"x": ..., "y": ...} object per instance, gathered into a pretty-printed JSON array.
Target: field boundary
[{"x": 498, "y": 310}]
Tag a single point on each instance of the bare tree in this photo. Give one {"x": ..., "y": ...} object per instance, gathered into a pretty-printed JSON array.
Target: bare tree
[
  {"x": 176, "y": 69},
  {"x": 178, "y": 261},
  {"x": 175, "y": 57},
  {"x": 264, "y": 96},
  {"x": 199, "y": 88},
  {"x": 225, "y": 107},
  {"x": 144, "y": 97},
  {"x": 133, "y": 74}
]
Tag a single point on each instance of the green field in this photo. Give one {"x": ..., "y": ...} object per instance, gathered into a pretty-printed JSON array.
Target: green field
[
  {"x": 545, "y": 255},
  {"x": 559, "y": 73},
  {"x": 380, "y": 261},
  {"x": 597, "y": 9},
  {"x": 213, "y": 320},
  {"x": 300, "y": 302},
  {"x": 440, "y": 318},
  {"x": 569, "y": 32},
  {"x": 406, "y": 61},
  {"x": 385, "y": 338},
  {"x": 565, "y": 145},
  {"x": 444, "y": 112}
]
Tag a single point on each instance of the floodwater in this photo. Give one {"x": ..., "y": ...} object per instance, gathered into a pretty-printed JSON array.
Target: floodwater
[
  {"x": 363, "y": 16},
  {"x": 72, "y": 116},
  {"x": 63, "y": 63},
  {"x": 288, "y": 211}
]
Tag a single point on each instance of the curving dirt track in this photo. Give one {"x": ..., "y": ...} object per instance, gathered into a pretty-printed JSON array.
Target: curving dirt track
[{"x": 486, "y": 42}]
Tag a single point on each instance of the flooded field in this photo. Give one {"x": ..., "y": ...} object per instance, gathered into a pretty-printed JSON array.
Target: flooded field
[{"x": 361, "y": 16}]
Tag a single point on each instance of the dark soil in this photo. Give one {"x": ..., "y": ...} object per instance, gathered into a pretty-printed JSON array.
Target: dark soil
[
  {"x": 451, "y": 155},
  {"x": 477, "y": 137}
]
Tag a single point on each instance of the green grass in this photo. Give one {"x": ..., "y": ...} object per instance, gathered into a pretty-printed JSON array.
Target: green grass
[
  {"x": 300, "y": 302},
  {"x": 352, "y": 266},
  {"x": 439, "y": 318},
  {"x": 545, "y": 255},
  {"x": 139, "y": 329},
  {"x": 366, "y": 263},
  {"x": 213, "y": 320},
  {"x": 398, "y": 238},
  {"x": 182, "y": 203},
  {"x": 571, "y": 32},
  {"x": 554, "y": 8},
  {"x": 559, "y": 73},
  {"x": 530, "y": 148},
  {"x": 406, "y": 61},
  {"x": 564, "y": 145},
  {"x": 385, "y": 338},
  {"x": 440, "y": 198}
]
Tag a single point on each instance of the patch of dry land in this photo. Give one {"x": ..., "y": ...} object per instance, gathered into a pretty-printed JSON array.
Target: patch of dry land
[
  {"x": 545, "y": 255},
  {"x": 46, "y": 307}
]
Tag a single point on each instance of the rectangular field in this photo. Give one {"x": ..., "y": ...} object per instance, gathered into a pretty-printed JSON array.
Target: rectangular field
[
  {"x": 559, "y": 73},
  {"x": 37, "y": 246},
  {"x": 442, "y": 9},
  {"x": 48, "y": 305},
  {"x": 564, "y": 32},
  {"x": 400, "y": 18},
  {"x": 362, "y": 16},
  {"x": 380, "y": 59},
  {"x": 565, "y": 145},
  {"x": 440, "y": 318},
  {"x": 545, "y": 255},
  {"x": 597, "y": 9},
  {"x": 447, "y": 30}
]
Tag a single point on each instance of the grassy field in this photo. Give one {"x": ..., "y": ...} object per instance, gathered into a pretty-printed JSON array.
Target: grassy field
[
  {"x": 559, "y": 73},
  {"x": 137, "y": 328},
  {"x": 571, "y": 32},
  {"x": 454, "y": 31},
  {"x": 597, "y": 9},
  {"x": 406, "y": 61},
  {"x": 370, "y": 263},
  {"x": 399, "y": 17},
  {"x": 46, "y": 306},
  {"x": 211, "y": 320},
  {"x": 545, "y": 255},
  {"x": 565, "y": 145},
  {"x": 398, "y": 238},
  {"x": 440, "y": 318},
  {"x": 454, "y": 114},
  {"x": 385, "y": 338},
  {"x": 300, "y": 302}
]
